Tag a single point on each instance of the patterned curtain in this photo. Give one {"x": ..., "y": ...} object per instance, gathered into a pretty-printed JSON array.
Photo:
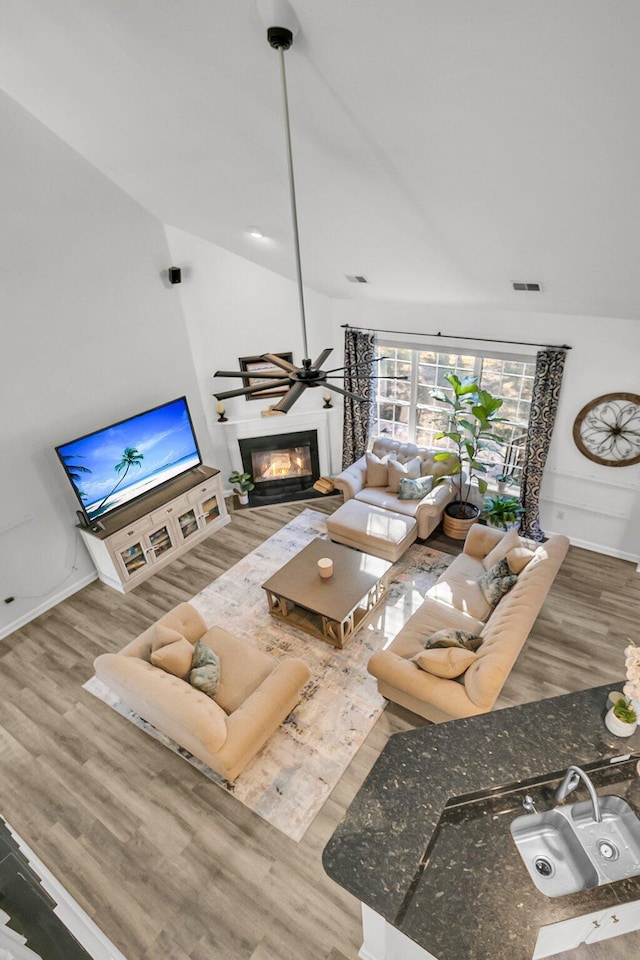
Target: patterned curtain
[
  {"x": 359, "y": 355},
  {"x": 544, "y": 404}
]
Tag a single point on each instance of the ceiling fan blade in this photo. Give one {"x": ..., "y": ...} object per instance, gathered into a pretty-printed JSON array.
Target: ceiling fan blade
[
  {"x": 273, "y": 374},
  {"x": 356, "y": 366},
  {"x": 279, "y": 362},
  {"x": 284, "y": 405},
  {"x": 346, "y": 393},
  {"x": 317, "y": 364},
  {"x": 254, "y": 388},
  {"x": 374, "y": 377}
]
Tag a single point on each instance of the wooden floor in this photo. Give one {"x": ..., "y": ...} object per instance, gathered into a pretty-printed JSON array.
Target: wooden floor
[{"x": 166, "y": 863}]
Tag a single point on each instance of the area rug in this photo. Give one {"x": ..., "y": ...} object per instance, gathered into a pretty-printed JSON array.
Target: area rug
[{"x": 289, "y": 780}]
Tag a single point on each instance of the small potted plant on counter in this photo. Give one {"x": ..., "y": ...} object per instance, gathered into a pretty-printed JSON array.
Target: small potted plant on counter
[
  {"x": 622, "y": 718},
  {"x": 502, "y": 512},
  {"x": 242, "y": 485}
]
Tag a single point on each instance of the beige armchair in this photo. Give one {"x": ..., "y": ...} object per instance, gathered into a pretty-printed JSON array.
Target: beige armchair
[
  {"x": 256, "y": 693},
  {"x": 427, "y": 512}
]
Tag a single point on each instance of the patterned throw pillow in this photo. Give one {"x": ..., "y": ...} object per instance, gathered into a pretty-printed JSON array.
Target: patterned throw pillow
[
  {"x": 414, "y": 489},
  {"x": 205, "y": 669},
  {"x": 497, "y": 581},
  {"x": 453, "y": 638}
]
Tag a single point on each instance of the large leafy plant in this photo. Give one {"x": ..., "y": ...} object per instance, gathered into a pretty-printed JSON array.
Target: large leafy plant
[{"x": 473, "y": 415}]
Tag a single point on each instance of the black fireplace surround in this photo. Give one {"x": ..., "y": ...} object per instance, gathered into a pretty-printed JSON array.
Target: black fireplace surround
[{"x": 302, "y": 446}]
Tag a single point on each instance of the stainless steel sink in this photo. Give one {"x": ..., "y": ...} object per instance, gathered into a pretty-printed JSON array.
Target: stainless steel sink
[
  {"x": 552, "y": 853},
  {"x": 565, "y": 849},
  {"x": 614, "y": 844}
]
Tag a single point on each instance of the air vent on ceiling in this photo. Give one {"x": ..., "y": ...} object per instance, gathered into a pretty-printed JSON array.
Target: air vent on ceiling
[
  {"x": 355, "y": 279},
  {"x": 533, "y": 287}
]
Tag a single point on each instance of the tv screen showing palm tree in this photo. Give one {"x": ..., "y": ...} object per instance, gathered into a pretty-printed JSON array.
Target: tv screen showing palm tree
[{"x": 118, "y": 464}]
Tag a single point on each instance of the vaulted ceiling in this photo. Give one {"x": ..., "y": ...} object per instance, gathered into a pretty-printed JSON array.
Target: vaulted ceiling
[{"x": 442, "y": 149}]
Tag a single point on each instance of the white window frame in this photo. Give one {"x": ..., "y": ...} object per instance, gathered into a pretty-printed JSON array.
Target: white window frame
[{"x": 439, "y": 347}]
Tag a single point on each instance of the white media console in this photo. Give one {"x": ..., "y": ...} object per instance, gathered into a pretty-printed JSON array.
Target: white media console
[{"x": 135, "y": 543}]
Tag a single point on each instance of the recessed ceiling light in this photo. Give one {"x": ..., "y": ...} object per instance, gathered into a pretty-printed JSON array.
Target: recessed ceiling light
[{"x": 255, "y": 233}]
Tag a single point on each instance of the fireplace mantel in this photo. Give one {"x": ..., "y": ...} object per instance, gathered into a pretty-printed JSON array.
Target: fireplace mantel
[{"x": 288, "y": 423}]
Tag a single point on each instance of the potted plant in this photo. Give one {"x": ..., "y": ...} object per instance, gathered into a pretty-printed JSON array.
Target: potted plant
[
  {"x": 622, "y": 718},
  {"x": 473, "y": 415},
  {"x": 502, "y": 512},
  {"x": 503, "y": 480},
  {"x": 243, "y": 483}
]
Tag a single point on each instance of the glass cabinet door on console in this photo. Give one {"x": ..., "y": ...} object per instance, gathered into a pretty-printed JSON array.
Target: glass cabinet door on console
[
  {"x": 188, "y": 523},
  {"x": 160, "y": 541},
  {"x": 210, "y": 510},
  {"x": 133, "y": 558}
]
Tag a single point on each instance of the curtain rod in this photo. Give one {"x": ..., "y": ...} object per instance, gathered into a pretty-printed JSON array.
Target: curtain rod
[{"x": 448, "y": 336}]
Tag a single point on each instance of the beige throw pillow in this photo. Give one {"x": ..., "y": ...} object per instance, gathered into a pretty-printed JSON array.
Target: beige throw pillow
[
  {"x": 510, "y": 541},
  {"x": 164, "y": 635},
  {"x": 377, "y": 470},
  {"x": 448, "y": 664},
  {"x": 174, "y": 657},
  {"x": 399, "y": 471},
  {"x": 518, "y": 558}
]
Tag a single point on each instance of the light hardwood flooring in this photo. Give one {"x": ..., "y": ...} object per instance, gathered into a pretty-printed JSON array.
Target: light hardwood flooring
[{"x": 167, "y": 864}]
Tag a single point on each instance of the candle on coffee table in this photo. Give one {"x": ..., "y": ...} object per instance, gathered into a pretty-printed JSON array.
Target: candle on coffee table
[{"x": 325, "y": 567}]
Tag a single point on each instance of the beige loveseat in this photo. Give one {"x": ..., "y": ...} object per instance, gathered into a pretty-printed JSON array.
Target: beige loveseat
[
  {"x": 456, "y": 601},
  {"x": 255, "y": 694},
  {"x": 427, "y": 512}
]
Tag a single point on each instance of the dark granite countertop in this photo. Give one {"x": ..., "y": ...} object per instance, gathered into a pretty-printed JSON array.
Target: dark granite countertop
[{"x": 426, "y": 841}]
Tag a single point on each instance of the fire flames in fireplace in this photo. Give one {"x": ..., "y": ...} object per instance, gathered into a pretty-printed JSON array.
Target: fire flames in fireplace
[{"x": 281, "y": 464}]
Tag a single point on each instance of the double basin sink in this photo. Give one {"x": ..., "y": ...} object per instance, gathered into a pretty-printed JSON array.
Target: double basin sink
[{"x": 566, "y": 849}]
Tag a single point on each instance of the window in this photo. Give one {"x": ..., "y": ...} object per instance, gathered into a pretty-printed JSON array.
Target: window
[{"x": 407, "y": 411}]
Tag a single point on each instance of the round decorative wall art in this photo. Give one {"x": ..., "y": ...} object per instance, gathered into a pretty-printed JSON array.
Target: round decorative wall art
[{"x": 607, "y": 430}]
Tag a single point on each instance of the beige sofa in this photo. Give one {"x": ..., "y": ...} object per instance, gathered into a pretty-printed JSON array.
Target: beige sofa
[
  {"x": 255, "y": 694},
  {"x": 427, "y": 512},
  {"x": 456, "y": 601}
]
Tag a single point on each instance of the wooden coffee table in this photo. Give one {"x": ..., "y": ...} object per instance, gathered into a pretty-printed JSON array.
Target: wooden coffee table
[{"x": 330, "y": 609}]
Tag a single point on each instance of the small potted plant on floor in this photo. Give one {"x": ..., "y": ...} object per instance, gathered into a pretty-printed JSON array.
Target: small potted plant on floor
[
  {"x": 473, "y": 414},
  {"x": 502, "y": 512},
  {"x": 242, "y": 485}
]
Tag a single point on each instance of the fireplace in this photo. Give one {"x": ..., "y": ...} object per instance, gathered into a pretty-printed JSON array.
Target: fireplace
[{"x": 283, "y": 466}]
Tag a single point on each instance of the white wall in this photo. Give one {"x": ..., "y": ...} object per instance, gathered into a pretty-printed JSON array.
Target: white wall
[
  {"x": 234, "y": 308},
  {"x": 90, "y": 335},
  {"x": 601, "y": 504}
]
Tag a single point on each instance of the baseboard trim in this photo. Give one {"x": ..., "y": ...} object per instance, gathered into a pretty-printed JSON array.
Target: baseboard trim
[
  {"x": 51, "y": 601},
  {"x": 598, "y": 548}
]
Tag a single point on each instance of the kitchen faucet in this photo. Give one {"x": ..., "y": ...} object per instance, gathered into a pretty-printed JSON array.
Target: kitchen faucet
[{"x": 570, "y": 781}]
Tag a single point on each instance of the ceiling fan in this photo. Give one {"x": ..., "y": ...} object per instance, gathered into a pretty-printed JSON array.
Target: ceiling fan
[{"x": 282, "y": 25}]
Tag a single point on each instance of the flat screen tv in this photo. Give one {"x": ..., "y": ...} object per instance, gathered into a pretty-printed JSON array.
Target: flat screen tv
[{"x": 113, "y": 466}]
